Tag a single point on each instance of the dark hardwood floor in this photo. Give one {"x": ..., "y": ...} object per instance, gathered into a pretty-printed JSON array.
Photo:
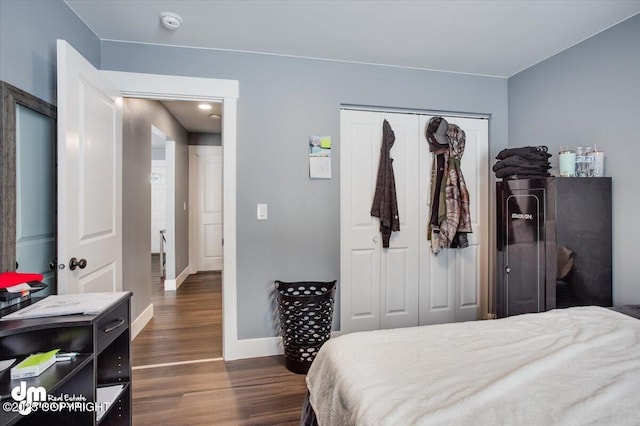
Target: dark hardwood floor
[
  {"x": 186, "y": 324},
  {"x": 202, "y": 389},
  {"x": 259, "y": 391}
]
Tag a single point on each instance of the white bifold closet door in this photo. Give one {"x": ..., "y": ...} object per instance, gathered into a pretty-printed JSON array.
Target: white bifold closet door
[
  {"x": 454, "y": 283},
  {"x": 405, "y": 284},
  {"x": 379, "y": 286}
]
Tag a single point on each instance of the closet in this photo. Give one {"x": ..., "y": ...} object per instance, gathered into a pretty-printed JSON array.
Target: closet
[{"x": 406, "y": 284}]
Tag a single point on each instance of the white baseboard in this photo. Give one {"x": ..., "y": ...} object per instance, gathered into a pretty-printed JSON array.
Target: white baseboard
[
  {"x": 171, "y": 285},
  {"x": 143, "y": 319},
  {"x": 256, "y": 348}
]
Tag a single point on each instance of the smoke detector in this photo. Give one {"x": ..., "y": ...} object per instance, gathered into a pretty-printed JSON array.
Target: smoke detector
[{"x": 170, "y": 20}]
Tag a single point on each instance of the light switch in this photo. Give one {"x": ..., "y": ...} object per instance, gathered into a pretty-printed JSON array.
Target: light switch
[{"x": 262, "y": 212}]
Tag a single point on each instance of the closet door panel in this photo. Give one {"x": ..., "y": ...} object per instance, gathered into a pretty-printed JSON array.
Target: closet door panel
[
  {"x": 397, "y": 305},
  {"x": 360, "y": 248},
  {"x": 468, "y": 295},
  {"x": 364, "y": 276},
  {"x": 442, "y": 284},
  {"x": 364, "y": 157},
  {"x": 473, "y": 261},
  {"x": 400, "y": 262},
  {"x": 451, "y": 288}
]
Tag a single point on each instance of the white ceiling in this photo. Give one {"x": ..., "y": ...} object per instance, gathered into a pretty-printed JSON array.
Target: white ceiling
[
  {"x": 195, "y": 119},
  {"x": 498, "y": 38}
]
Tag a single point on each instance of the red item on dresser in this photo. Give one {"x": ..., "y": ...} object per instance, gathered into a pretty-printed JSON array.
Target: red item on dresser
[{"x": 9, "y": 279}]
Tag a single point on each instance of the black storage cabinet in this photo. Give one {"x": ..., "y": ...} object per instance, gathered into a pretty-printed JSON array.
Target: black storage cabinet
[
  {"x": 305, "y": 311},
  {"x": 537, "y": 220}
]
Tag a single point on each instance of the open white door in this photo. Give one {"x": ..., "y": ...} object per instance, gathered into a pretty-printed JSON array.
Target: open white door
[{"x": 89, "y": 177}]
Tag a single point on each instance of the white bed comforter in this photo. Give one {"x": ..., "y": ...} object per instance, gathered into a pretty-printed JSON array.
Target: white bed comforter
[{"x": 571, "y": 366}]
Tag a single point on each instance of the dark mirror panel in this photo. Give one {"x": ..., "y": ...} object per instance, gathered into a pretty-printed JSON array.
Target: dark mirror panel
[{"x": 28, "y": 184}]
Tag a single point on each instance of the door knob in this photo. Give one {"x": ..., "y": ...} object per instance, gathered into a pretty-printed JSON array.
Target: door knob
[
  {"x": 507, "y": 270},
  {"x": 75, "y": 263},
  {"x": 376, "y": 239}
]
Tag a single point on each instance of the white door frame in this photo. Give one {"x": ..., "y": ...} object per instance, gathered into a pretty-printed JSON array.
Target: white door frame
[
  {"x": 170, "y": 281},
  {"x": 170, "y": 87}
]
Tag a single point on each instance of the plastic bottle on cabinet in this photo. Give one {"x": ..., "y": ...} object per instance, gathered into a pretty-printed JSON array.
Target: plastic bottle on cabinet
[
  {"x": 589, "y": 161},
  {"x": 580, "y": 162}
]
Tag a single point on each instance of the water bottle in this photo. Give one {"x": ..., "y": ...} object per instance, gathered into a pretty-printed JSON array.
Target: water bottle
[
  {"x": 598, "y": 164},
  {"x": 580, "y": 162},
  {"x": 589, "y": 161}
]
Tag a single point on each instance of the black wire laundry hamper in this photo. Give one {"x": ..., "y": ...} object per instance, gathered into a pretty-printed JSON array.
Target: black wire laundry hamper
[{"x": 305, "y": 310}]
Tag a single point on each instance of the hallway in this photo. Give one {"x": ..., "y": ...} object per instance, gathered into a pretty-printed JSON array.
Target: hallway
[{"x": 186, "y": 324}]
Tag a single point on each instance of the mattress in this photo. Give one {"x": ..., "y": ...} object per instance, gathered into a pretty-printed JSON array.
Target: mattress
[{"x": 567, "y": 366}]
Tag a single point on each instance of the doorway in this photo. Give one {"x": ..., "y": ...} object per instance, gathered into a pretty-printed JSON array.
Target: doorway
[{"x": 156, "y": 161}]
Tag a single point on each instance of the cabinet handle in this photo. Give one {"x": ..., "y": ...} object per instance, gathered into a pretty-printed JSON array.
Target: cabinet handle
[{"x": 113, "y": 325}]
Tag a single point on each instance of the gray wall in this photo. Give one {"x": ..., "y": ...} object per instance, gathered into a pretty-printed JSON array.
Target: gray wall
[
  {"x": 211, "y": 139},
  {"x": 283, "y": 101},
  {"x": 138, "y": 117},
  {"x": 28, "y": 33},
  {"x": 586, "y": 95}
]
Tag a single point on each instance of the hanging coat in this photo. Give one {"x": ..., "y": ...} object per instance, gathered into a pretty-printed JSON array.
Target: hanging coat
[
  {"x": 385, "y": 203},
  {"x": 450, "y": 197}
]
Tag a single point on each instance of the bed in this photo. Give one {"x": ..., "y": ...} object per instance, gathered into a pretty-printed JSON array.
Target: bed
[{"x": 569, "y": 366}]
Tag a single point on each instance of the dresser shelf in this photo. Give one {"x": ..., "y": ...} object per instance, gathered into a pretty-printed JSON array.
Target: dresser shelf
[{"x": 103, "y": 344}]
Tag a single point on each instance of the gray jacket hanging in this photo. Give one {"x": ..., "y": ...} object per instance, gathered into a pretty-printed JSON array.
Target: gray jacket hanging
[{"x": 385, "y": 203}]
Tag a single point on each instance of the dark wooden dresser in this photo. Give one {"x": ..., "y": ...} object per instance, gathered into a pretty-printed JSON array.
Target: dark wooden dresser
[{"x": 102, "y": 368}]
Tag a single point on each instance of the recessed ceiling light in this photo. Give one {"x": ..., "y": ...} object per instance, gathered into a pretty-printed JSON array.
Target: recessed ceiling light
[
  {"x": 170, "y": 20},
  {"x": 215, "y": 116},
  {"x": 205, "y": 107}
]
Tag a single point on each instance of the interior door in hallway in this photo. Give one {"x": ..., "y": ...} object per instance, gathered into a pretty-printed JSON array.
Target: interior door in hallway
[
  {"x": 89, "y": 177},
  {"x": 379, "y": 285},
  {"x": 205, "y": 163}
]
